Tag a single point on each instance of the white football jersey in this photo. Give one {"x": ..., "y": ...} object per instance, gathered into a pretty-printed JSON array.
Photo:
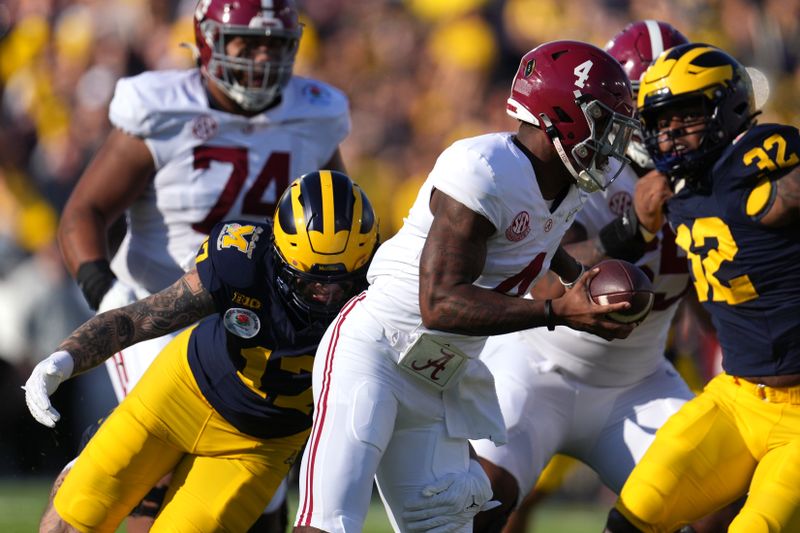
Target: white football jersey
[
  {"x": 212, "y": 165},
  {"x": 491, "y": 176},
  {"x": 625, "y": 361}
]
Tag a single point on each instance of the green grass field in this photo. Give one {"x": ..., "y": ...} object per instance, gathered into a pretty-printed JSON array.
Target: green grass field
[{"x": 22, "y": 502}]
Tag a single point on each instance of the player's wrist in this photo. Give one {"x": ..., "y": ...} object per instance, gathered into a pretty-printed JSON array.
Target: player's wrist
[
  {"x": 94, "y": 279},
  {"x": 570, "y": 284},
  {"x": 63, "y": 363},
  {"x": 549, "y": 315}
]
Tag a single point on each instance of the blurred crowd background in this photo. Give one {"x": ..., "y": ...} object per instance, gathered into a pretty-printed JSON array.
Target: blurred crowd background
[{"x": 419, "y": 74}]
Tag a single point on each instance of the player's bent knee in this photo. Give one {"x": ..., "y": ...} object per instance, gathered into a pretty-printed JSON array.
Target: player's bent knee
[{"x": 82, "y": 511}]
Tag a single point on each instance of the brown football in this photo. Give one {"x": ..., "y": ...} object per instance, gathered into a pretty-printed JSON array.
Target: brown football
[{"x": 621, "y": 281}]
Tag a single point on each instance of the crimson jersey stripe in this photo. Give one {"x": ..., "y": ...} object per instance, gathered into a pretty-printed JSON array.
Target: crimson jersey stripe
[{"x": 320, "y": 411}]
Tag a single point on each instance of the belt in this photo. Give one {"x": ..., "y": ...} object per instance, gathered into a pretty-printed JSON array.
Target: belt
[{"x": 790, "y": 395}]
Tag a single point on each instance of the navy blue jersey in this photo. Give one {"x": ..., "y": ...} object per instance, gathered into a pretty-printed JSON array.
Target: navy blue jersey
[
  {"x": 251, "y": 361},
  {"x": 746, "y": 274}
]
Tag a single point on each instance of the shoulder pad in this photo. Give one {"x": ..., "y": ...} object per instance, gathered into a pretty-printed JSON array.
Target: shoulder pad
[
  {"x": 768, "y": 150},
  {"x": 236, "y": 248},
  {"x": 158, "y": 101}
]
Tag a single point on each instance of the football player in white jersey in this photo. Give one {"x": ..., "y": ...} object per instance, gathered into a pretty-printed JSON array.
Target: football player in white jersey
[
  {"x": 191, "y": 148},
  {"x": 398, "y": 387},
  {"x": 570, "y": 392}
]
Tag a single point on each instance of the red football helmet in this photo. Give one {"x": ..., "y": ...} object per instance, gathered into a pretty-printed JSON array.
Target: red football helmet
[
  {"x": 639, "y": 44},
  {"x": 580, "y": 96},
  {"x": 636, "y": 47},
  {"x": 251, "y": 84}
]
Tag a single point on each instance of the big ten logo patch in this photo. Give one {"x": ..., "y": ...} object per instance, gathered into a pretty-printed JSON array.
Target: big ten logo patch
[
  {"x": 520, "y": 227},
  {"x": 245, "y": 301},
  {"x": 620, "y": 202}
]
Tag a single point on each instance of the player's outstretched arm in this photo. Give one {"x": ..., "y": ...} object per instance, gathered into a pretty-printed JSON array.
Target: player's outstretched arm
[
  {"x": 177, "y": 306},
  {"x": 453, "y": 258}
]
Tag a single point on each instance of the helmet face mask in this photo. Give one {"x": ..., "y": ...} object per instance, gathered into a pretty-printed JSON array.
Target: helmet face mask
[
  {"x": 710, "y": 93},
  {"x": 609, "y": 138},
  {"x": 325, "y": 233},
  {"x": 231, "y": 39},
  {"x": 581, "y": 97}
]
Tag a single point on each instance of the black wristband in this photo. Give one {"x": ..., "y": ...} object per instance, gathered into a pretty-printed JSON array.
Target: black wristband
[
  {"x": 549, "y": 317},
  {"x": 621, "y": 238},
  {"x": 94, "y": 279}
]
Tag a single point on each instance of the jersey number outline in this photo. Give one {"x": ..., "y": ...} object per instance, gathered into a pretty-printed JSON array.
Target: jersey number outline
[
  {"x": 255, "y": 368},
  {"x": 522, "y": 280},
  {"x": 705, "y": 265},
  {"x": 276, "y": 169},
  {"x": 764, "y": 161}
]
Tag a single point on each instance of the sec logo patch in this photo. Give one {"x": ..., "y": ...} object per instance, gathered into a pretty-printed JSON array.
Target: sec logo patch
[
  {"x": 242, "y": 322},
  {"x": 519, "y": 228}
]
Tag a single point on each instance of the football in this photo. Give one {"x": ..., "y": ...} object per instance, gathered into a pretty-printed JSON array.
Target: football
[{"x": 621, "y": 281}]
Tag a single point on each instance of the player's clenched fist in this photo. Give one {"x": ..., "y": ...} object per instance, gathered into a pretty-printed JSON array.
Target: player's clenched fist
[
  {"x": 44, "y": 380},
  {"x": 451, "y": 502}
]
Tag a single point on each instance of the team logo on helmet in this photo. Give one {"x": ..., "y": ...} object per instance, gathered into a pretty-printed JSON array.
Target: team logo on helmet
[
  {"x": 519, "y": 228},
  {"x": 242, "y": 322},
  {"x": 529, "y": 67}
]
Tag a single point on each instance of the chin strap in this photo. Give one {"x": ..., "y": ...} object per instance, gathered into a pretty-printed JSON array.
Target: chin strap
[{"x": 582, "y": 178}]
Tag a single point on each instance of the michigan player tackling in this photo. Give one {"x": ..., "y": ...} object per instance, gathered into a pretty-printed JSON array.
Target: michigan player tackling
[
  {"x": 736, "y": 212},
  {"x": 227, "y": 404}
]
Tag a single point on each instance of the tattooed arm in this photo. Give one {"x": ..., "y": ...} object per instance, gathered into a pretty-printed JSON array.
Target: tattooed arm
[
  {"x": 179, "y": 305},
  {"x": 785, "y": 210},
  {"x": 453, "y": 258}
]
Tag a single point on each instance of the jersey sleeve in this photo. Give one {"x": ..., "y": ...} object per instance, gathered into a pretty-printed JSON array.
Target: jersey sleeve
[
  {"x": 232, "y": 258},
  {"x": 141, "y": 104},
  {"x": 748, "y": 170},
  {"x": 466, "y": 176}
]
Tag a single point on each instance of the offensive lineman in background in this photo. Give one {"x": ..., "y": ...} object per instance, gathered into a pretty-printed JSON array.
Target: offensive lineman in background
[
  {"x": 192, "y": 148},
  {"x": 569, "y": 392}
]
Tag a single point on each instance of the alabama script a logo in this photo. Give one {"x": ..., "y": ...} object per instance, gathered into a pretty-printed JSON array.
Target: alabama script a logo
[{"x": 439, "y": 365}]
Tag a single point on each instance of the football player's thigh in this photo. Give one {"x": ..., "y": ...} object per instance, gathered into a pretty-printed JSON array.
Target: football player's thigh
[
  {"x": 537, "y": 408},
  {"x": 639, "y": 410},
  {"x": 773, "y": 503},
  {"x": 697, "y": 463},
  {"x": 219, "y": 493},
  {"x": 114, "y": 472},
  {"x": 356, "y": 404}
]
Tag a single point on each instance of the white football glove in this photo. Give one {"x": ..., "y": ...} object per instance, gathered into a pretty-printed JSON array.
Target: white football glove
[
  {"x": 451, "y": 502},
  {"x": 118, "y": 295},
  {"x": 44, "y": 380}
]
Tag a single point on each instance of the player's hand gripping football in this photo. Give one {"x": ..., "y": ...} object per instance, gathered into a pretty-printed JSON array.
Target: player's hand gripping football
[
  {"x": 451, "y": 502},
  {"x": 43, "y": 382},
  {"x": 652, "y": 191},
  {"x": 577, "y": 310}
]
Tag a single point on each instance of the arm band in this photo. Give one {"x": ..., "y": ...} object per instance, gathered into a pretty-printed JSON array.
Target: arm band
[
  {"x": 549, "y": 317},
  {"x": 621, "y": 238},
  {"x": 94, "y": 279}
]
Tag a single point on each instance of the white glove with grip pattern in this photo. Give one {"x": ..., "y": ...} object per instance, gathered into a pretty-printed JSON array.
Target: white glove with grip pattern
[
  {"x": 451, "y": 502},
  {"x": 43, "y": 382},
  {"x": 118, "y": 295}
]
